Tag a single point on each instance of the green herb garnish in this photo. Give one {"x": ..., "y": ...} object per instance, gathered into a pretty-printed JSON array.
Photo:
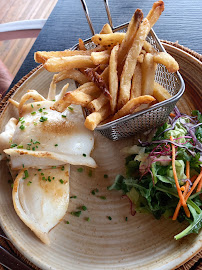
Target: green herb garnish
[
  {"x": 43, "y": 119},
  {"x": 76, "y": 213}
]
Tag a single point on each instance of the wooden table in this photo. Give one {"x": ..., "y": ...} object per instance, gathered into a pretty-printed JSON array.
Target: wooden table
[{"x": 181, "y": 21}]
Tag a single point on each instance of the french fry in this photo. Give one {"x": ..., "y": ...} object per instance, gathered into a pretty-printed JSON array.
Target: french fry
[
  {"x": 42, "y": 56},
  {"x": 98, "y": 80},
  {"x": 113, "y": 78},
  {"x": 96, "y": 104},
  {"x": 100, "y": 57},
  {"x": 136, "y": 87},
  {"x": 130, "y": 63},
  {"x": 160, "y": 93},
  {"x": 166, "y": 60},
  {"x": 93, "y": 119},
  {"x": 148, "y": 74},
  {"x": 129, "y": 36},
  {"x": 155, "y": 12},
  {"x": 73, "y": 74},
  {"x": 52, "y": 91},
  {"x": 81, "y": 96},
  {"x": 106, "y": 29},
  {"x": 81, "y": 45},
  {"x": 148, "y": 47},
  {"x": 131, "y": 105},
  {"x": 69, "y": 62},
  {"x": 108, "y": 39},
  {"x": 105, "y": 75},
  {"x": 140, "y": 58}
]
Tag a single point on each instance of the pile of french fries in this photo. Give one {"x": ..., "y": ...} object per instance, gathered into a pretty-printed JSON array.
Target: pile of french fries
[{"x": 117, "y": 76}]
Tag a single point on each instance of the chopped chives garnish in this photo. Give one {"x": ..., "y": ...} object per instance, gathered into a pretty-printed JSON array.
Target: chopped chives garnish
[
  {"x": 54, "y": 167},
  {"x": 49, "y": 179},
  {"x": 90, "y": 173},
  {"x": 56, "y": 144},
  {"x": 33, "y": 113},
  {"x": 40, "y": 110},
  {"x": 26, "y": 174},
  {"x": 32, "y": 106},
  {"x": 87, "y": 219},
  {"x": 43, "y": 119},
  {"x": 45, "y": 112},
  {"x": 53, "y": 178},
  {"x": 70, "y": 108},
  {"x": 67, "y": 222},
  {"x": 39, "y": 170},
  {"x": 22, "y": 127},
  {"x": 42, "y": 174},
  {"x": 84, "y": 208},
  {"x": 33, "y": 148},
  {"x": 93, "y": 192},
  {"x": 29, "y": 144},
  {"x": 62, "y": 169},
  {"x": 61, "y": 181},
  {"x": 80, "y": 169},
  {"x": 103, "y": 197},
  {"x": 76, "y": 214},
  {"x": 20, "y": 146},
  {"x": 23, "y": 165},
  {"x": 12, "y": 185},
  {"x": 73, "y": 197},
  {"x": 53, "y": 99},
  {"x": 105, "y": 175},
  {"x": 96, "y": 190},
  {"x": 126, "y": 218},
  {"x": 13, "y": 145},
  {"x": 64, "y": 116},
  {"x": 29, "y": 183},
  {"x": 110, "y": 218},
  {"x": 44, "y": 178},
  {"x": 84, "y": 155},
  {"x": 35, "y": 123},
  {"x": 38, "y": 104},
  {"x": 36, "y": 142}
]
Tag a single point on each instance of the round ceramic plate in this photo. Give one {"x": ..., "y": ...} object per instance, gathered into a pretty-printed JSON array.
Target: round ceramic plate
[{"x": 140, "y": 243}]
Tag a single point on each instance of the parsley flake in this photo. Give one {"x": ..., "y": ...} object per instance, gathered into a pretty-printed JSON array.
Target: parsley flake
[
  {"x": 76, "y": 214},
  {"x": 80, "y": 169},
  {"x": 43, "y": 119}
]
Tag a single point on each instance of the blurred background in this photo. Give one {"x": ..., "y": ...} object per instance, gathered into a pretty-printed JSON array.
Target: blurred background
[{"x": 13, "y": 52}]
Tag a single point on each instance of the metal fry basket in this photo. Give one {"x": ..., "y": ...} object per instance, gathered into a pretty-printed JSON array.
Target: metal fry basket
[{"x": 157, "y": 114}]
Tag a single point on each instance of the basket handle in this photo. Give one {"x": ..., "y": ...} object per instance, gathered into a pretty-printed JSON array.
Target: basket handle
[{"x": 85, "y": 8}]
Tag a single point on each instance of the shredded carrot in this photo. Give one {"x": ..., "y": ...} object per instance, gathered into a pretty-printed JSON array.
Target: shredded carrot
[
  {"x": 199, "y": 186},
  {"x": 172, "y": 115},
  {"x": 183, "y": 188},
  {"x": 175, "y": 176},
  {"x": 187, "y": 169},
  {"x": 198, "y": 179},
  {"x": 193, "y": 178},
  {"x": 186, "y": 188}
]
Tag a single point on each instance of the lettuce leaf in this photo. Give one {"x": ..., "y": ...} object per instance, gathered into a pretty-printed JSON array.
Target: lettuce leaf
[{"x": 195, "y": 225}]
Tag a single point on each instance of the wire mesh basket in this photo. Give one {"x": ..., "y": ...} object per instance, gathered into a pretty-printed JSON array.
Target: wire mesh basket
[{"x": 149, "y": 118}]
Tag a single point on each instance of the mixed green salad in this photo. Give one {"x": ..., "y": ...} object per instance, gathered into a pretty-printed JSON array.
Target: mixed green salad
[{"x": 164, "y": 176}]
